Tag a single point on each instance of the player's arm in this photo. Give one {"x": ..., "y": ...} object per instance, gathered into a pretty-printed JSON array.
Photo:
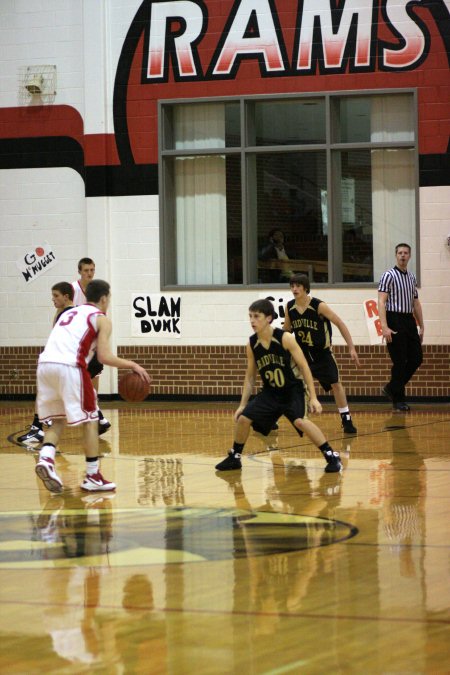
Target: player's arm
[
  {"x": 105, "y": 354},
  {"x": 417, "y": 311},
  {"x": 249, "y": 382},
  {"x": 290, "y": 343},
  {"x": 287, "y": 325},
  {"x": 385, "y": 330},
  {"x": 327, "y": 312}
]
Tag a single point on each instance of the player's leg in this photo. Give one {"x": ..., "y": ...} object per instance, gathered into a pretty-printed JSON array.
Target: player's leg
[
  {"x": 343, "y": 408},
  {"x": 296, "y": 412},
  {"x": 93, "y": 480},
  {"x": 326, "y": 371},
  {"x": 95, "y": 368},
  {"x": 50, "y": 405},
  {"x": 263, "y": 412},
  {"x": 241, "y": 433},
  {"x": 35, "y": 433}
]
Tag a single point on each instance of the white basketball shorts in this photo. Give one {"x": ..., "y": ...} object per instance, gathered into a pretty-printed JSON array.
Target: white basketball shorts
[{"x": 65, "y": 391}]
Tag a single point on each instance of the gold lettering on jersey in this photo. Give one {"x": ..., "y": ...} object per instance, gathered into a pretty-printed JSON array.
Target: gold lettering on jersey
[
  {"x": 267, "y": 359},
  {"x": 305, "y": 323}
]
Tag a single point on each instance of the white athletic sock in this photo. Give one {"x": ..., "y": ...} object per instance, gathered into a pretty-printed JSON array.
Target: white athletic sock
[
  {"x": 48, "y": 451},
  {"x": 92, "y": 467}
]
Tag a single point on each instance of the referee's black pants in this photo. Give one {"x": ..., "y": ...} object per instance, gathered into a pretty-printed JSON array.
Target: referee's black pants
[{"x": 405, "y": 351}]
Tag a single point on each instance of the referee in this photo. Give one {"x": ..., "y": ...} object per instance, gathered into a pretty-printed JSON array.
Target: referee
[{"x": 398, "y": 308}]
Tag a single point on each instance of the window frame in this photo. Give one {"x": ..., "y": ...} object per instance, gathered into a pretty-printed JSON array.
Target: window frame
[{"x": 165, "y": 132}]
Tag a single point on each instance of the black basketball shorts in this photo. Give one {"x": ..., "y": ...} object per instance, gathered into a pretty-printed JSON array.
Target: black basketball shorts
[
  {"x": 325, "y": 370},
  {"x": 267, "y": 407}
]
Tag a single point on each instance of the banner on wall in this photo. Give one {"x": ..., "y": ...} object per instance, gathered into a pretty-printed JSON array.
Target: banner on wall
[
  {"x": 157, "y": 315},
  {"x": 36, "y": 262},
  {"x": 373, "y": 321}
]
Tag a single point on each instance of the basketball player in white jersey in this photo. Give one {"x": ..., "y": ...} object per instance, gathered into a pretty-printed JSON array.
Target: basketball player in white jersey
[
  {"x": 86, "y": 270},
  {"x": 65, "y": 389}
]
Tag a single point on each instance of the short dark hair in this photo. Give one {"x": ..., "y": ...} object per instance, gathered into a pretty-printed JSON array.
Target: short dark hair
[
  {"x": 300, "y": 280},
  {"x": 64, "y": 288},
  {"x": 85, "y": 261},
  {"x": 273, "y": 230},
  {"x": 96, "y": 289},
  {"x": 264, "y": 306},
  {"x": 403, "y": 245}
]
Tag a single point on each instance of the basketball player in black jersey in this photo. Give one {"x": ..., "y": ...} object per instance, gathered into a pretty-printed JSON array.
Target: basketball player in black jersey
[
  {"x": 275, "y": 354},
  {"x": 310, "y": 320}
]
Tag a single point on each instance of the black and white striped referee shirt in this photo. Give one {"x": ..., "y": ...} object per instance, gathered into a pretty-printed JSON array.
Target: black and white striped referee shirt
[{"x": 401, "y": 288}]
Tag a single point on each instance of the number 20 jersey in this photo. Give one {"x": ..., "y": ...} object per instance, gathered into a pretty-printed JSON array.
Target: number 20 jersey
[
  {"x": 73, "y": 337},
  {"x": 275, "y": 364},
  {"x": 312, "y": 331}
]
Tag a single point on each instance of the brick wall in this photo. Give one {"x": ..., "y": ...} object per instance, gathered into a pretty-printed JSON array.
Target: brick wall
[{"x": 217, "y": 371}]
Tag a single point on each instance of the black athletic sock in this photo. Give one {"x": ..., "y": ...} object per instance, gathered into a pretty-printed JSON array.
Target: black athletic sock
[
  {"x": 238, "y": 448},
  {"x": 100, "y": 414},
  {"x": 36, "y": 422},
  {"x": 325, "y": 447},
  {"x": 92, "y": 459}
]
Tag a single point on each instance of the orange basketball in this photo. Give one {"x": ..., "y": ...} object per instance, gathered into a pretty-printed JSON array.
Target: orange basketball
[{"x": 132, "y": 388}]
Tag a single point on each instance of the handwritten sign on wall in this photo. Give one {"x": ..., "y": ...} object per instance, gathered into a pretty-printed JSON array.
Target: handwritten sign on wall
[
  {"x": 36, "y": 262},
  {"x": 156, "y": 316}
]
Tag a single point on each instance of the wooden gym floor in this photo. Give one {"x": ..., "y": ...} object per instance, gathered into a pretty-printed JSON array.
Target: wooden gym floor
[{"x": 276, "y": 569}]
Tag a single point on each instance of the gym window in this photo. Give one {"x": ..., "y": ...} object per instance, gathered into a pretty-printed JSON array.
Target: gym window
[{"x": 253, "y": 189}]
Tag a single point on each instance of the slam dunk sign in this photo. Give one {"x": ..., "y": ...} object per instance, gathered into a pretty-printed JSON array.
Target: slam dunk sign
[{"x": 156, "y": 316}]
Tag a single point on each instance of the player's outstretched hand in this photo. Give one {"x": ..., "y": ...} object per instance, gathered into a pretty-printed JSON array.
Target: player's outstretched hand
[
  {"x": 354, "y": 356},
  {"x": 142, "y": 373},
  {"x": 315, "y": 406}
]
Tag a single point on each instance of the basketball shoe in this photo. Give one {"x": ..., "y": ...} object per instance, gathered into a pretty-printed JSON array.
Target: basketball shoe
[
  {"x": 103, "y": 425},
  {"x": 45, "y": 469},
  {"x": 347, "y": 424},
  {"x": 96, "y": 483},
  {"x": 230, "y": 463},
  {"x": 34, "y": 435},
  {"x": 333, "y": 460}
]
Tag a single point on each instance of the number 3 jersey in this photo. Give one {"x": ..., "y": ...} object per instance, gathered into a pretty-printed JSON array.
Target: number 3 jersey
[
  {"x": 312, "y": 331},
  {"x": 278, "y": 370},
  {"x": 73, "y": 337}
]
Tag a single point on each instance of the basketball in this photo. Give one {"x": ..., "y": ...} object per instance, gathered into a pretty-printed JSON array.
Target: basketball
[{"x": 132, "y": 388}]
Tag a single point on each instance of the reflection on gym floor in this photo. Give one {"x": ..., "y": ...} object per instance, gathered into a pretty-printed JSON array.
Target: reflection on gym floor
[{"x": 277, "y": 568}]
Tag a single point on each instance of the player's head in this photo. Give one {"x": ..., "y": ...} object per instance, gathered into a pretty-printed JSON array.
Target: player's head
[
  {"x": 62, "y": 294},
  {"x": 85, "y": 261},
  {"x": 300, "y": 280},
  {"x": 86, "y": 270},
  {"x": 262, "y": 306},
  {"x": 96, "y": 290}
]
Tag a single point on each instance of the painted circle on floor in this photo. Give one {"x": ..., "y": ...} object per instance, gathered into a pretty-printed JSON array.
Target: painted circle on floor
[{"x": 61, "y": 537}]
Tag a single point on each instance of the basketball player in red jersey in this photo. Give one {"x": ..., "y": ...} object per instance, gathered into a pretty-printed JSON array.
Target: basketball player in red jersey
[{"x": 65, "y": 389}]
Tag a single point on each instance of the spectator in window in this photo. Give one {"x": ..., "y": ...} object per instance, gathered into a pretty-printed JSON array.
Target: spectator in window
[{"x": 275, "y": 250}]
